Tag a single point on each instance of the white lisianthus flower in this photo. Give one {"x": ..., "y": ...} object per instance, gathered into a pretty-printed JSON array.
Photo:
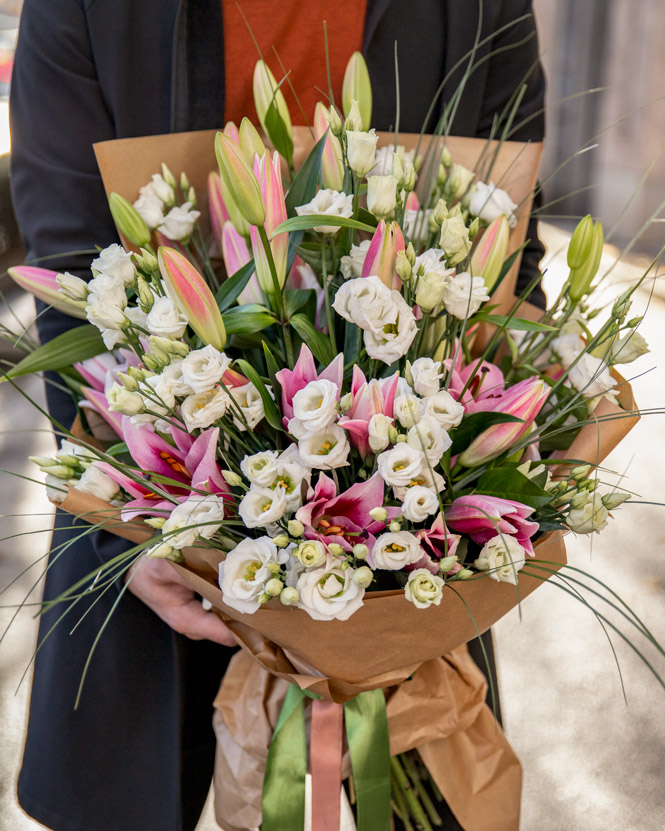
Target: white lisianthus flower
[
  {"x": 328, "y": 202},
  {"x": 165, "y": 320},
  {"x": 202, "y": 409},
  {"x": 432, "y": 261},
  {"x": 123, "y": 401},
  {"x": 428, "y": 435},
  {"x": 361, "y": 150},
  {"x": 260, "y": 468},
  {"x": 381, "y": 195},
  {"x": 311, "y": 553},
  {"x": 157, "y": 394},
  {"x": 395, "y": 550},
  {"x": 426, "y": 374},
  {"x": 365, "y": 301},
  {"x": 501, "y": 557},
  {"x": 179, "y": 222},
  {"x": 429, "y": 291},
  {"x": 150, "y": 208},
  {"x": 56, "y": 489},
  {"x": 200, "y": 515},
  {"x": 408, "y": 409},
  {"x": 174, "y": 377},
  {"x": 396, "y": 334},
  {"x": 458, "y": 181},
  {"x": 425, "y": 477},
  {"x": 629, "y": 348},
  {"x": 289, "y": 477},
  {"x": 73, "y": 287},
  {"x": 591, "y": 376},
  {"x": 245, "y": 571},
  {"x": 203, "y": 368},
  {"x": 416, "y": 224},
  {"x": 112, "y": 337},
  {"x": 424, "y": 589},
  {"x": 379, "y": 427},
  {"x": 444, "y": 408},
  {"x": 488, "y": 202},
  {"x": 454, "y": 239},
  {"x": 590, "y": 517},
  {"x": 567, "y": 347},
  {"x": 419, "y": 503},
  {"x": 160, "y": 188},
  {"x": 400, "y": 465},
  {"x": 106, "y": 316},
  {"x": 325, "y": 450},
  {"x": 463, "y": 295},
  {"x": 328, "y": 592},
  {"x": 116, "y": 262},
  {"x": 314, "y": 408},
  {"x": 136, "y": 316},
  {"x": 94, "y": 481},
  {"x": 248, "y": 398},
  {"x": 107, "y": 289},
  {"x": 262, "y": 506},
  {"x": 352, "y": 264}
]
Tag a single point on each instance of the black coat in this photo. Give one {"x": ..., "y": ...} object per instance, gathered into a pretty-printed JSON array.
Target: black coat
[{"x": 137, "y": 754}]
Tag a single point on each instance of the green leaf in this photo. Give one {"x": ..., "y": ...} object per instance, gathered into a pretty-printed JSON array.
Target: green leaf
[
  {"x": 519, "y": 323},
  {"x": 473, "y": 425},
  {"x": 233, "y": 286},
  {"x": 273, "y": 369},
  {"x": 296, "y": 299},
  {"x": 70, "y": 347},
  {"x": 510, "y": 483},
  {"x": 269, "y": 407},
  {"x": 304, "y": 223},
  {"x": 306, "y": 181},
  {"x": 317, "y": 341},
  {"x": 278, "y": 132},
  {"x": 247, "y": 319}
]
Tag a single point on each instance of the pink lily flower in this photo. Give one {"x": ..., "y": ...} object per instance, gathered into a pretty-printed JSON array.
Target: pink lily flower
[
  {"x": 293, "y": 380},
  {"x": 490, "y": 253},
  {"x": 96, "y": 399},
  {"x": 94, "y": 371},
  {"x": 382, "y": 253},
  {"x": 332, "y": 164},
  {"x": 369, "y": 399},
  {"x": 218, "y": 211},
  {"x": 236, "y": 254},
  {"x": 412, "y": 202},
  {"x": 524, "y": 400},
  {"x": 269, "y": 175},
  {"x": 487, "y": 381},
  {"x": 41, "y": 283},
  {"x": 438, "y": 543},
  {"x": 485, "y": 517},
  {"x": 344, "y": 519}
]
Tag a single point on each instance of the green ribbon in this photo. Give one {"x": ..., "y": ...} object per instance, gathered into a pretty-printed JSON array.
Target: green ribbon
[{"x": 369, "y": 746}]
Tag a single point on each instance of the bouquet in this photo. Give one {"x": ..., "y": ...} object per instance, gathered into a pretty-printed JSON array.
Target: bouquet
[{"x": 350, "y": 431}]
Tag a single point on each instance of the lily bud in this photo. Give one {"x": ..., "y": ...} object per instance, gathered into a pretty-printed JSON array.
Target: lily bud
[
  {"x": 580, "y": 243},
  {"x": 128, "y": 220},
  {"x": 232, "y": 478},
  {"x": 192, "y": 296},
  {"x": 581, "y": 277},
  {"x": 267, "y": 172},
  {"x": 295, "y": 528},
  {"x": 290, "y": 596},
  {"x": 43, "y": 283},
  {"x": 332, "y": 165},
  {"x": 250, "y": 141},
  {"x": 357, "y": 87},
  {"x": 490, "y": 254},
  {"x": 239, "y": 180},
  {"x": 381, "y": 255},
  {"x": 363, "y": 576},
  {"x": 265, "y": 92}
]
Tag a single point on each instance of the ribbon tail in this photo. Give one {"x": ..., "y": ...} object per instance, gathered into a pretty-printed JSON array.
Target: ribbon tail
[{"x": 325, "y": 759}]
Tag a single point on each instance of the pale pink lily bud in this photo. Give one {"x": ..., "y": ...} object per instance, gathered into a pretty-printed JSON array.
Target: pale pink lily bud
[
  {"x": 490, "y": 254},
  {"x": 236, "y": 254},
  {"x": 357, "y": 87},
  {"x": 192, "y": 296},
  {"x": 250, "y": 141},
  {"x": 240, "y": 189},
  {"x": 266, "y": 91},
  {"x": 523, "y": 400},
  {"x": 381, "y": 256},
  {"x": 42, "y": 283},
  {"x": 267, "y": 172},
  {"x": 217, "y": 207},
  {"x": 332, "y": 166},
  {"x": 231, "y": 132}
]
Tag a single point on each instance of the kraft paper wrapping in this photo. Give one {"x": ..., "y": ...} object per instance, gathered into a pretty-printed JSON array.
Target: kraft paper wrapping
[
  {"x": 128, "y": 164},
  {"x": 440, "y": 710}
]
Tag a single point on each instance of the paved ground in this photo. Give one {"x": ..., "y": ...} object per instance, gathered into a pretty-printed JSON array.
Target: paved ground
[{"x": 590, "y": 761}]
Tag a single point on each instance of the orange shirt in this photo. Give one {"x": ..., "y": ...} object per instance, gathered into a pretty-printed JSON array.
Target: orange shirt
[{"x": 295, "y": 29}]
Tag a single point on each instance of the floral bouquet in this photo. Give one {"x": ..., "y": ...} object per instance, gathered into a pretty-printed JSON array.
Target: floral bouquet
[{"x": 333, "y": 416}]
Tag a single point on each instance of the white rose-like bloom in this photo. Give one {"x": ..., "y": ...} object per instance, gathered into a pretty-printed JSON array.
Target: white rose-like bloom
[
  {"x": 381, "y": 195},
  {"x": 365, "y": 301},
  {"x": 94, "y": 481},
  {"x": 488, "y": 202},
  {"x": 425, "y": 478},
  {"x": 157, "y": 394},
  {"x": 444, "y": 408},
  {"x": 314, "y": 408},
  {"x": 424, "y": 589},
  {"x": 419, "y": 503},
  {"x": 361, "y": 150},
  {"x": 160, "y": 188},
  {"x": 329, "y": 593},
  {"x": 203, "y": 368},
  {"x": 106, "y": 316},
  {"x": 260, "y": 468},
  {"x": 591, "y": 376},
  {"x": 379, "y": 426},
  {"x": 400, "y": 465},
  {"x": 248, "y": 398},
  {"x": 311, "y": 553},
  {"x": 245, "y": 571},
  {"x": 179, "y": 222},
  {"x": 123, "y": 401},
  {"x": 502, "y": 557},
  {"x": 116, "y": 262},
  {"x": 289, "y": 478},
  {"x": 398, "y": 331},
  {"x": 165, "y": 320},
  {"x": 330, "y": 203},
  {"x": 428, "y": 435},
  {"x": 590, "y": 517},
  {"x": 426, "y": 374},
  {"x": 326, "y": 450},
  {"x": 179, "y": 530},
  {"x": 432, "y": 261},
  {"x": 395, "y": 550},
  {"x": 173, "y": 376},
  {"x": 458, "y": 181},
  {"x": 112, "y": 337},
  {"x": 629, "y": 348},
  {"x": 408, "y": 409},
  {"x": 73, "y": 287},
  {"x": 104, "y": 288},
  {"x": 202, "y": 409},
  {"x": 262, "y": 506},
  {"x": 454, "y": 239},
  {"x": 463, "y": 295},
  {"x": 429, "y": 291},
  {"x": 352, "y": 264},
  {"x": 567, "y": 347},
  {"x": 136, "y": 316},
  {"x": 150, "y": 208}
]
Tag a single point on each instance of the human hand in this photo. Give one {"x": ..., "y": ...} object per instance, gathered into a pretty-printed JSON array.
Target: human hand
[{"x": 164, "y": 591}]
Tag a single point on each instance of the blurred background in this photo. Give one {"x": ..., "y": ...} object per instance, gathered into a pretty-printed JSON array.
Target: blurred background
[{"x": 590, "y": 760}]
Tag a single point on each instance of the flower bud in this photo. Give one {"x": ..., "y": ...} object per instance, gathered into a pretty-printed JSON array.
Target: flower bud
[
  {"x": 614, "y": 499},
  {"x": 580, "y": 472},
  {"x": 43, "y": 461},
  {"x": 274, "y": 587},
  {"x": 394, "y": 526},
  {"x": 191, "y": 196},
  {"x": 411, "y": 254},
  {"x": 464, "y": 574},
  {"x": 580, "y": 243},
  {"x": 152, "y": 362},
  {"x": 345, "y": 402},
  {"x": 128, "y": 220},
  {"x": 440, "y": 213},
  {"x": 363, "y": 576},
  {"x": 135, "y": 373},
  {"x": 296, "y": 528},
  {"x": 357, "y": 87},
  {"x": 379, "y": 514},
  {"x": 360, "y": 550},
  {"x": 447, "y": 563},
  {"x": 184, "y": 182},
  {"x": 149, "y": 260},
  {"x": 240, "y": 181},
  {"x": 381, "y": 195},
  {"x": 263, "y": 599},
  {"x": 232, "y": 478},
  {"x": 267, "y": 93},
  {"x": 581, "y": 277},
  {"x": 167, "y": 176},
  {"x": 290, "y": 596},
  {"x": 129, "y": 383},
  {"x": 61, "y": 471},
  {"x": 393, "y": 434},
  {"x": 403, "y": 266},
  {"x": 250, "y": 141},
  {"x": 336, "y": 549},
  {"x": 145, "y": 295},
  {"x": 164, "y": 551},
  {"x": 446, "y": 159},
  {"x": 281, "y": 540},
  {"x": 155, "y": 521},
  {"x": 122, "y": 400},
  {"x": 335, "y": 122},
  {"x": 490, "y": 253},
  {"x": 474, "y": 227}
]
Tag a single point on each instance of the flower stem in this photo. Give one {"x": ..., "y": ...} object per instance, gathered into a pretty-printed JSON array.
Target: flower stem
[
  {"x": 326, "y": 293},
  {"x": 414, "y": 775},
  {"x": 414, "y": 806},
  {"x": 277, "y": 295}
]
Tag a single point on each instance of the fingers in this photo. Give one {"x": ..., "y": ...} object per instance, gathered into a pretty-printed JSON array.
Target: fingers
[{"x": 191, "y": 620}]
